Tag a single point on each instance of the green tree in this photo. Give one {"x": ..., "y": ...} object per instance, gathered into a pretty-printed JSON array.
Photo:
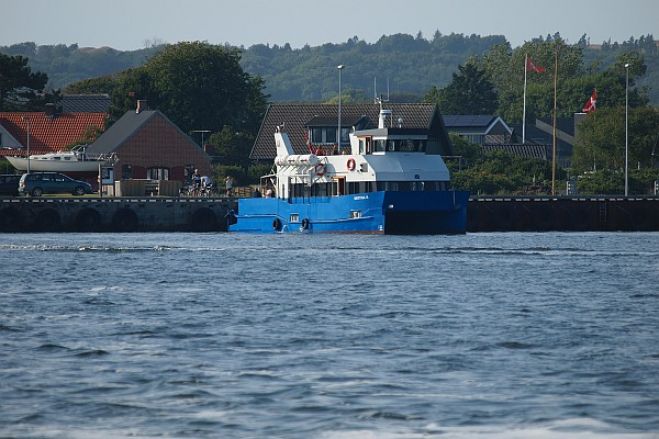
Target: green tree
[
  {"x": 231, "y": 147},
  {"x": 131, "y": 85},
  {"x": 600, "y": 142},
  {"x": 501, "y": 173},
  {"x": 470, "y": 92},
  {"x": 505, "y": 68},
  {"x": 197, "y": 85},
  {"x": 18, "y": 84},
  {"x": 103, "y": 84}
]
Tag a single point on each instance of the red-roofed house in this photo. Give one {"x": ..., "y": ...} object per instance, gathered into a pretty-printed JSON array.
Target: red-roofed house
[{"x": 48, "y": 132}]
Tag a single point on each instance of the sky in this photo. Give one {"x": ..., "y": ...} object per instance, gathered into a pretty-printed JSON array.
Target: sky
[{"x": 135, "y": 24}]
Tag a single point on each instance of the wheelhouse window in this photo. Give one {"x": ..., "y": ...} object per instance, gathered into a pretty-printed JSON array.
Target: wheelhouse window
[
  {"x": 158, "y": 174},
  {"x": 405, "y": 145}
]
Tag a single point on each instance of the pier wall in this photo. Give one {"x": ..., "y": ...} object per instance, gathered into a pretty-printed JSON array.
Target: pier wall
[
  {"x": 161, "y": 214},
  {"x": 141, "y": 214},
  {"x": 508, "y": 214}
]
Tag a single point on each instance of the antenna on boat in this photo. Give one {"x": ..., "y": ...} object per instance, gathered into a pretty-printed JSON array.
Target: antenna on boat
[
  {"x": 379, "y": 99},
  {"x": 388, "y": 96},
  {"x": 384, "y": 114}
]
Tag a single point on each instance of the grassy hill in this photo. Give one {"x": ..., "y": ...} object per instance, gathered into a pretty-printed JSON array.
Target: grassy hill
[{"x": 410, "y": 65}]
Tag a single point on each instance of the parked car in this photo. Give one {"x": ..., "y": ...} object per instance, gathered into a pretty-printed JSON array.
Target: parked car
[
  {"x": 9, "y": 184},
  {"x": 38, "y": 183}
]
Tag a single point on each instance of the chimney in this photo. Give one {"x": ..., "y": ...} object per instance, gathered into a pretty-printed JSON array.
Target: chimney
[
  {"x": 578, "y": 118},
  {"x": 50, "y": 110},
  {"x": 141, "y": 106}
]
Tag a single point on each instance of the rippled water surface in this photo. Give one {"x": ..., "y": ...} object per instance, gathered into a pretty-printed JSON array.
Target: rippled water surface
[{"x": 341, "y": 337}]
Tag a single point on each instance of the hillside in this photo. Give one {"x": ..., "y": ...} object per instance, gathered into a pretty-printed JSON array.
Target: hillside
[{"x": 410, "y": 65}]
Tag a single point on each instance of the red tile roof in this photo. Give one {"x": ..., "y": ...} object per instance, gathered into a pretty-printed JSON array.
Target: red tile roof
[{"x": 49, "y": 133}]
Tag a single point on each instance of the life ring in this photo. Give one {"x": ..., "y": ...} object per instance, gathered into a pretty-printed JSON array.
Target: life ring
[
  {"x": 351, "y": 164},
  {"x": 319, "y": 169},
  {"x": 276, "y": 224},
  {"x": 305, "y": 224}
]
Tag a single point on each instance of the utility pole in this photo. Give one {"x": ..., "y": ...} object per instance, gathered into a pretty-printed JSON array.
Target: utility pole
[{"x": 554, "y": 151}]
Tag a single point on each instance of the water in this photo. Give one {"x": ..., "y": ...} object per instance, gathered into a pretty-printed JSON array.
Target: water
[{"x": 331, "y": 337}]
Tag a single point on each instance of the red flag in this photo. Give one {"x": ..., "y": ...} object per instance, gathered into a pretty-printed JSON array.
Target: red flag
[
  {"x": 530, "y": 67},
  {"x": 591, "y": 103}
]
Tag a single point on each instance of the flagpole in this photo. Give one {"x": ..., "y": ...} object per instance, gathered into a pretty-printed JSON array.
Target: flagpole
[
  {"x": 526, "y": 63},
  {"x": 553, "y": 149}
]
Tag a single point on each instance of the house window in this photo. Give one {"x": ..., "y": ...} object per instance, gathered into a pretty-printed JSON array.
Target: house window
[
  {"x": 330, "y": 135},
  {"x": 127, "y": 172},
  {"x": 345, "y": 135},
  {"x": 317, "y": 135},
  {"x": 475, "y": 139},
  {"x": 294, "y": 218},
  {"x": 158, "y": 174}
]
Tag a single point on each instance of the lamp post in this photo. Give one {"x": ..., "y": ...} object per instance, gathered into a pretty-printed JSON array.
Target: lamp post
[
  {"x": 338, "y": 130},
  {"x": 626, "y": 128},
  {"x": 27, "y": 120}
]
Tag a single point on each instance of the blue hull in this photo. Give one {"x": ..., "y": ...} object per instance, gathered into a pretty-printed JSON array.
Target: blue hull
[{"x": 441, "y": 212}]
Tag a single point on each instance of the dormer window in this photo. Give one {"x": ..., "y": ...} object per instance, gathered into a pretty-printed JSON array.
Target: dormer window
[
  {"x": 317, "y": 135},
  {"x": 323, "y": 135},
  {"x": 330, "y": 135}
]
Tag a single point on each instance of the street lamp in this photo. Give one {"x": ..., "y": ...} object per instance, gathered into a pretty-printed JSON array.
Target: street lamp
[
  {"x": 27, "y": 120},
  {"x": 338, "y": 130},
  {"x": 626, "y": 128}
]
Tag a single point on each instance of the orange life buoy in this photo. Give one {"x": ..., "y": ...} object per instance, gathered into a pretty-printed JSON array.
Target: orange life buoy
[
  {"x": 351, "y": 164},
  {"x": 319, "y": 169}
]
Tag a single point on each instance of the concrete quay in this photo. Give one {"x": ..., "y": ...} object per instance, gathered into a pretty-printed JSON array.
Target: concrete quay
[
  {"x": 139, "y": 214},
  {"x": 179, "y": 214}
]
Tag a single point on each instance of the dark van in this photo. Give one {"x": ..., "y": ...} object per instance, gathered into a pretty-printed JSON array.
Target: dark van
[{"x": 9, "y": 184}]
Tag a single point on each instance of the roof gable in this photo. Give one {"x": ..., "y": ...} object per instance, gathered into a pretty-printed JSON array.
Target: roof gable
[
  {"x": 50, "y": 133},
  {"x": 120, "y": 131},
  {"x": 126, "y": 127}
]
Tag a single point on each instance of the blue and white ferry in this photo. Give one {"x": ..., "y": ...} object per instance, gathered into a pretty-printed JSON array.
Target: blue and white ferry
[{"x": 390, "y": 180}]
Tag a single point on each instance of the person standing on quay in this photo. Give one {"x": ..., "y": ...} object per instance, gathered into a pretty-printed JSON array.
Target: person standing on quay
[{"x": 229, "y": 185}]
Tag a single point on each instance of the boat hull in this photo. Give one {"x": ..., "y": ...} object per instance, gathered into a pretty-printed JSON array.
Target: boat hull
[
  {"x": 387, "y": 212},
  {"x": 38, "y": 165}
]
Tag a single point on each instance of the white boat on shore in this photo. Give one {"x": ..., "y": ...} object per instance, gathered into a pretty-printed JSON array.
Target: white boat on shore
[{"x": 75, "y": 160}]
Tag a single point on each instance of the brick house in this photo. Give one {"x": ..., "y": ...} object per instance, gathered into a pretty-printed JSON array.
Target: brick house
[{"x": 147, "y": 145}]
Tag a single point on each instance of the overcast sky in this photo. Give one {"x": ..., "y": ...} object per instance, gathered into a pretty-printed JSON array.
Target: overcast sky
[{"x": 129, "y": 24}]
